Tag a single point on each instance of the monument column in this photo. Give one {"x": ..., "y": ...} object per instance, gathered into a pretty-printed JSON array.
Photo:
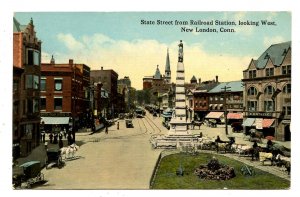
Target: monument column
[{"x": 179, "y": 123}]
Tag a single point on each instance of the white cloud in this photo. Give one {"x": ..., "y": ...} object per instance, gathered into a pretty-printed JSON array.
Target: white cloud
[
  {"x": 138, "y": 58},
  {"x": 273, "y": 40},
  {"x": 70, "y": 42}
]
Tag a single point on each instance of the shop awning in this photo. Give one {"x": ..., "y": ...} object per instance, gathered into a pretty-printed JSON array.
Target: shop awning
[
  {"x": 267, "y": 123},
  {"x": 55, "y": 120},
  {"x": 214, "y": 115},
  {"x": 258, "y": 123},
  {"x": 234, "y": 115},
  {"x": 248, "y": 122}
]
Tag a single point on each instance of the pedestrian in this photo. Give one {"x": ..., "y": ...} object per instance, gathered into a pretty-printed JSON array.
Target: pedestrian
[
  {"x": 55, "y": 138},
  {"x": 51, "y": 137},
  {"x": 65, "y": 133},
  {"x": 106, "y": 129},
  {"x": 60, "y": 143},
  {"x": 118, "y": 125},
  {"x": 43, "y": 136},
  {"x": 69, "y": 139},
  {"x": 60, "y": 135}
]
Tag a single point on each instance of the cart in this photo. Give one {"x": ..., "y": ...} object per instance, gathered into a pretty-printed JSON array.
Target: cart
[
  {"x": 29, "y": 174},
  {"x": 129, "y": 123},
  {"x": 54, "y": 158}
]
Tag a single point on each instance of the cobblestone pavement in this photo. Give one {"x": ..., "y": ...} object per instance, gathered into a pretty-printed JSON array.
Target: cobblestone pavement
[{"x": 124, "y": 158}]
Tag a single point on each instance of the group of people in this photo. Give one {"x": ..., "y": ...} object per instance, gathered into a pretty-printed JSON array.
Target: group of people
[{"x": 57, "y": 137}]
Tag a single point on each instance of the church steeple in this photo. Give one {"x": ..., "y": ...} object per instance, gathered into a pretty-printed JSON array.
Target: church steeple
[
  {"x": 168, "y": 68},
  {"x": 52, "y": 61}
]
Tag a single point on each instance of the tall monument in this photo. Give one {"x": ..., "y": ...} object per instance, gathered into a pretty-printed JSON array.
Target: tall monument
[{"x": 179, "y": 122}]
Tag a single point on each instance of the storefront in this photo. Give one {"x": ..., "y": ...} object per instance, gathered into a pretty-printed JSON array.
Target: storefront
[{"x": 55, "y": 122}]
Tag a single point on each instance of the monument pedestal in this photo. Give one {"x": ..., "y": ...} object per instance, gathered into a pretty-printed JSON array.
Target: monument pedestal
[{"x": 179, "y": 127}]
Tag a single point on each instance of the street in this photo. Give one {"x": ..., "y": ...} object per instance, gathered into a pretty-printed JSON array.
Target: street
[
  {"x": 121, "y": 159},
  {"x": 124, "y": 158}
]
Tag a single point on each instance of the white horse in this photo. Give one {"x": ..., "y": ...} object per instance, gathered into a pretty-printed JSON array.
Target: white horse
[{"x": 69, "y": 151}]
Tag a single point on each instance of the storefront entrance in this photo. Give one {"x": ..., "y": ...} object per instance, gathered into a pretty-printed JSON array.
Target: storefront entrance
[{"x": 287, "y": 133}]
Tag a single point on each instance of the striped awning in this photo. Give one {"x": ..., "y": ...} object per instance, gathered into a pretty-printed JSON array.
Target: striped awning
[
  {"x": 55, "y": 120},
  {"x": 258, "y": 123},
  {"x": 248, "y": 122},
  {"x": 214, "y": 115},
  {"x": 234, "y": 115},
  {"x": 267, "y": 123}
]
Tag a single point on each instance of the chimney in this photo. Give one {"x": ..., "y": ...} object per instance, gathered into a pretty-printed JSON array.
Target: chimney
[
  {"x": 101, "y": 67},
  {"x": 217, "y": 79},
  {"x": 71, "y": 62},
  {"x": 199, "y": 80}
]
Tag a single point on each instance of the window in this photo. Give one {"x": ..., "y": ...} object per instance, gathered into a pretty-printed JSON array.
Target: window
[
  {"x": 27, "y": 131},
  {"x": 287, "y": 88},
  {"x": 286, "y": 110},
  {"x": 269, "y": 105},
  {"x": 269, "y": 72},
  {"x": 43, "y": 103},
  {"x": 57, "y": 103},
  {"x": 252, "y": 74},
  {"x": 32, "y": 81},
  {"x": 221, "y": 98},
  {"x": 269, "y": 90},
  {"x": 252, "y": 91},
  {"x": 210, "y": 98},
  {"x": 33, "y": 57},
  {"x": 29, "y": 81},
  {"x": 252, "y": 105},
  {"x": 35, "y": 103},
  {"x": 15, "y": 85},
  {"x": 43, "y": 84},
  {"x": 58, "y": 84},
  {"x": 286, "y": 70},
  {"x": 36, "y": 82}
]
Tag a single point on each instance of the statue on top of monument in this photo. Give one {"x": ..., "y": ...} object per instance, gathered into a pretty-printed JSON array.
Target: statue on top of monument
[{"x": 180, "y": 52}]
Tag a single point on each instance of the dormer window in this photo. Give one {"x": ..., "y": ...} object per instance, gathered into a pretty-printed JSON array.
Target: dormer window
[
  {"x": 252, "y": 74},
  {"x": 269, "y": 72},
  {"x": 286, "y": 70}
]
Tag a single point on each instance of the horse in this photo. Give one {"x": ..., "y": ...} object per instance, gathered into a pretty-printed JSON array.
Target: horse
[
  {"x": 69, "y": 151},
  {"x": 196, "y": 123}
]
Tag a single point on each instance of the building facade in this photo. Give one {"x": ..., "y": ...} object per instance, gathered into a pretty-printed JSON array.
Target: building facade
[
  {"x": 109, "y": 79},
  {"x": 65, "y": 100},
  {"x": 26, "y": 89},
  {"x": 227, "y": 97},
  {"x": 267, "y": 92}
]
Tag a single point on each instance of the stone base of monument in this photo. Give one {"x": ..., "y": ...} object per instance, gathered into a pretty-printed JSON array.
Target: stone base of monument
[{"x": 174, "y": 141}]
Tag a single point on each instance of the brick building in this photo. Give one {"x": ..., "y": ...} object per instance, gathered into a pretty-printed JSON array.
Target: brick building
[
  {"x": 26, "y": 89},
  {"x": 109, "y": 79},
  {"x": 226, "y": 99},
  {"x": 64, "y": 95},
  {"x": 267, "y": 92}
]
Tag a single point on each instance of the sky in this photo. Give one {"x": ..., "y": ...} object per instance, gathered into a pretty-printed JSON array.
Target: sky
[{"x": 119, "y": 41}]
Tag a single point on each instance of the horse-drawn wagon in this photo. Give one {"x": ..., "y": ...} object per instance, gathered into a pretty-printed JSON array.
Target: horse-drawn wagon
[
  {"x": 28, "y": 174},
  {"x": 54, "y": 158}
]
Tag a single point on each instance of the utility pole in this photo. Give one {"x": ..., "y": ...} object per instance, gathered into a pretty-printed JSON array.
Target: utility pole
[{"x": 226, "y": 88}]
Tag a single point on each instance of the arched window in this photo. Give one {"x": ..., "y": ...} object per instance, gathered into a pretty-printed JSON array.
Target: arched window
[
  {"x": 287, "y": 88},
  {"x": 252, "y": 91},
  {"x": 269, "y": 90}
]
